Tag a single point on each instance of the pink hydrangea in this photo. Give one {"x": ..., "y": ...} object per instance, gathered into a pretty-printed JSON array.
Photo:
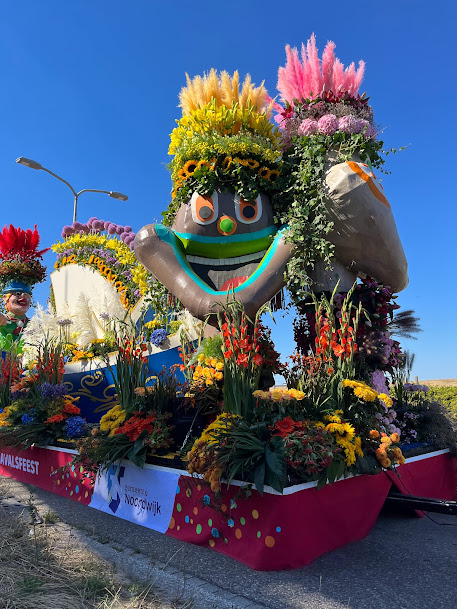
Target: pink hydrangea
[
  {"x": 307, "y": 127},
  {"x": 349, "y": 124},
  {"x": 327, "y": 124}
]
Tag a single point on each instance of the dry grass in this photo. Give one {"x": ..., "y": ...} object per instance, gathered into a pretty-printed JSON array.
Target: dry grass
[
  {"x": 441, "y": 383},
  {"x": 47, "y": 567}
]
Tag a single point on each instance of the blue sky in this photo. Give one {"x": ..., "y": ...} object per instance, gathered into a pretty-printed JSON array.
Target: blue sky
[{"x": 90, "y": 90}]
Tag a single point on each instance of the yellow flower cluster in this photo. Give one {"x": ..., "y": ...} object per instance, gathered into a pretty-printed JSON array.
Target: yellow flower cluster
[
  {"x": 202, "y": 459},
  {"x": 207, "y": 371},
  {"x": 222, "y": 421},
  {"x": 224, "y": 120},
  {"x": 366, "y": 393},
  {"x": 279, "y": 395},
  {"x": 80, "y": 355},
  {"x": 120, "y": 250},
  {"x": 4, "y": 417},
  {"x": 344, "y": 434},
  {"x": 112, "y": 419}
]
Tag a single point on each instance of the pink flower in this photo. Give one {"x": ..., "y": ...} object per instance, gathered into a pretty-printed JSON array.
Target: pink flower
[
  {"x": 328, "y": 124},
  {"x": 348, "y": 123},
  {"x": 307, "y": 127},
  {"x": 366, "y": 128}
]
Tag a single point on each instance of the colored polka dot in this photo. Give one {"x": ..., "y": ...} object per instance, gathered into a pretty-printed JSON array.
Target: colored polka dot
[
  {"x": 188, "y": 492},
  {"x": 86, "y": 494},
  {"x": 198, "y": 529},
  {"x": 79, "y": 498},
  {"x": 71, "y": 493},
  {"x": 68, "y": 475},
  {"x": 278, "y": 529},
  {"x": 243, "y": 521},
  {"x": 76, "y": 489},
  {"x": 80, "y": 470},
  {"x": 52, "y": 468},
  {"x": 199, "y": 487},
  {"x": 63, "y": 476},
  {"x": 172, "y": 523},
  {"x": 191, "y": 521},
  {"x": 255, "y": 514},
  {"x": 258, "y": 534},
  {"x": 69, "y": 484},
  {"x": 210, "y": 522},
  {"x": 195, "y": 510},
  {"x": 269, "y": 541},
  {"x": 223, "y": 507},
  {"x": 211, "y": 543},
  {"x": 187, "y": 519},
  {"x": 178, "y": 507},
  {"x": 75, "y": 474},
  {"x": 178, "y": 527},
  {"x": 231, "y": 522},
  {"x": 72, "y": 468},
  {"x": 178, "y": 490},
  {"x": 58, "y": 481},
  {"x": 238, "y": 533}
]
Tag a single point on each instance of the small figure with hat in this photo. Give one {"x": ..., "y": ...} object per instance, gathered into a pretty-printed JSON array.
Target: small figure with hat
[{"x": 20, "y": 270}]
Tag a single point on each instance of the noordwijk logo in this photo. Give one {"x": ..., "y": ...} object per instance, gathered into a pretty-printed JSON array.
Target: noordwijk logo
[{"x": 115, "y": 473}]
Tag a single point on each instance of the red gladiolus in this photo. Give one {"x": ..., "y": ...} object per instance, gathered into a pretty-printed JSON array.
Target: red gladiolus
[
  {"x": 257, "y": 359},
  {"x": 242, "y": 360}
]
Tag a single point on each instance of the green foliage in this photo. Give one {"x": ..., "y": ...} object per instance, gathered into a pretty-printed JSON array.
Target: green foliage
[
  {"x": 448, "y": 397},
  {"x": 303, "y": 207},
  {"x": 249, "y": 453}
]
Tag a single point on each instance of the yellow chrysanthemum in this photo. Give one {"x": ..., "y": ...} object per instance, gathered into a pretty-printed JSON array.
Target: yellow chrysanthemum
[{"x": 387, "y": 400}]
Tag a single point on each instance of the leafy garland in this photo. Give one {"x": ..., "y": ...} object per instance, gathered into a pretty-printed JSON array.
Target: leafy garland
[{"x": 303, "y": 206}]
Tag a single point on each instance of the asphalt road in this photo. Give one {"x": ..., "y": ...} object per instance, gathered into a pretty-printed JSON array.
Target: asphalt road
[{"x": 404, "y": 563}]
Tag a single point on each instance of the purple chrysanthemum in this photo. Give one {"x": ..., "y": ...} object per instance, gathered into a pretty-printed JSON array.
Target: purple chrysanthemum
[{"x": 52, "y": 392}]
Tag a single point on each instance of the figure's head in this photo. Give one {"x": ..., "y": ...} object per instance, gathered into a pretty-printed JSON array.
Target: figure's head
[{"x": 17, "y": 302}]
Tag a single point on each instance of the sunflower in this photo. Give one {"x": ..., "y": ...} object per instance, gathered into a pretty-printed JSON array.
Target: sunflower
[
  {"x": 226, "y": 163},
  {"x": 273, "y": 175},
  {"x": 190, "y": 167},
  {"x": 264, "y": 173}
]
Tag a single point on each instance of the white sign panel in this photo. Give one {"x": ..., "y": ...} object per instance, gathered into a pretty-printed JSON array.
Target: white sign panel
[{"x": 144, "y": 496}]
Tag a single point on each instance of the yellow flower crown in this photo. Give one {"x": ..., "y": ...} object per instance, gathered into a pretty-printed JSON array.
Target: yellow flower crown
[{"x": 224, "y": 125}]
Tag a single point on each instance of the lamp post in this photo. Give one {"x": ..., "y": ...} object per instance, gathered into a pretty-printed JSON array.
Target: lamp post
[{"x": 22, "y": 160}]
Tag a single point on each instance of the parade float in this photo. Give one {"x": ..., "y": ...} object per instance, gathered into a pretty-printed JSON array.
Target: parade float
[{"x": 193, "y": 440}]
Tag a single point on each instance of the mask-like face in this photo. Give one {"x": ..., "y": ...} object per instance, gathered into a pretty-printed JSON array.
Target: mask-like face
[
  {"x": 17, "y": 303},
  {"x": 218, "y": 242}
]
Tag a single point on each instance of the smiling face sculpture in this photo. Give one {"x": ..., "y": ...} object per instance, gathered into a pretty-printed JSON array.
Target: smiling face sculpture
[
  {"x": 223, "y": 239},
  {"x": 218, "y": 243}
]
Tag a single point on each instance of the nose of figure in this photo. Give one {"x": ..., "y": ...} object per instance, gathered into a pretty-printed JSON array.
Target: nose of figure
[{"x": 226, "y": 225}]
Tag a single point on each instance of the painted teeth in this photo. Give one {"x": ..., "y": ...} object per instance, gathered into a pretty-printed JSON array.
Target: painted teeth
[{"x": 227, "y": 261}]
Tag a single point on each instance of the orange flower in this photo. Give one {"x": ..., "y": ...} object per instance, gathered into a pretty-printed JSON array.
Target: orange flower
[
  {"x": 57, "y": 418},
  {"x": 395, "y": 437},
  {"x": 284, "y": 426},
  {"x": 374, "y": 434},
  {"x": 71, "y": 409}
]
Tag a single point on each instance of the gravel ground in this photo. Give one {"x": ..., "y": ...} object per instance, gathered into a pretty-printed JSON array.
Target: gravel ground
[{"x": 405, "y": 563}]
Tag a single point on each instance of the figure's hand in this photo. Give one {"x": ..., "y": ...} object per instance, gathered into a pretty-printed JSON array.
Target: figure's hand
[{"x": 3, "y": 320}]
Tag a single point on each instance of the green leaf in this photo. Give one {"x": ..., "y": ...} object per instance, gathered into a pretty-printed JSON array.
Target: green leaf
[{"x": 259, "y": 476}]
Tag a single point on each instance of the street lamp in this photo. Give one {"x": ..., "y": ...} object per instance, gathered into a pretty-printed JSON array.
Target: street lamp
[{"x": 22, "y": 160}]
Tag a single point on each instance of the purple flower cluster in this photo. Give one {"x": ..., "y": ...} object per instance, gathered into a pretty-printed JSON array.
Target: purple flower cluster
[
  {"x": 411, "y": 387},
  {"x": 52, "y": 392},
  {"x": 94, "y": 226},
  {"x": 158, "y": 336},
  {"x": 389, "y": 421},
  {"x": 75, "y": 427}
]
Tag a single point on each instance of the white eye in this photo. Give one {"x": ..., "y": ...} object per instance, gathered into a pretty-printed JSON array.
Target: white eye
[
  {"x": 205, "y": 208},
  {"x": 248, "y": 212}
]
